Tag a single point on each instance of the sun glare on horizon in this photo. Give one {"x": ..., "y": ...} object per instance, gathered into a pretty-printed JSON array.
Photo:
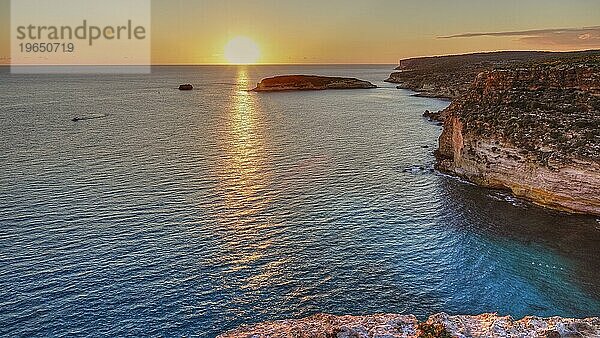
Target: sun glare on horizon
[{"x": 242, "y": 50}]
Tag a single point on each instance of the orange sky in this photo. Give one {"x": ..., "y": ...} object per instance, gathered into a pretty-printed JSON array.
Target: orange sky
[{"x": 354, "y": 31}]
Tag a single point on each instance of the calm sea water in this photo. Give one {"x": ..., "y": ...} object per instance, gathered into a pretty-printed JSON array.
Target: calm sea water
[{"x": 190, "y": 213}]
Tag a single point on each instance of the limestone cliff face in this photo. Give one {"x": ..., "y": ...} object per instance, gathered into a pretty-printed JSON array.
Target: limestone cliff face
[
  {"x": 533, "y": 130},
  {"x": 450, "y": 76},
  {"x": 407, "y": 326}
]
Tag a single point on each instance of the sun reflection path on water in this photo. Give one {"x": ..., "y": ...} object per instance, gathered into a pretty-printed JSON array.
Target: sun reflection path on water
[
  {"x": 245, "y": 176},
  {"x": 244, "y": 181}
]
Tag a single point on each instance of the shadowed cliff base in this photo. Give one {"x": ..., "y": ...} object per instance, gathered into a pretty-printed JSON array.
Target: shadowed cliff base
[
  {"x": 408, "y": 326},
  {"x": 499, "y": 217}
]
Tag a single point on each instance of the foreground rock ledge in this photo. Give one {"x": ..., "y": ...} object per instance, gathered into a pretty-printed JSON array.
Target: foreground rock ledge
[
  {"x": 438, "y": 325},
  {"x": 310, "y": 82}
]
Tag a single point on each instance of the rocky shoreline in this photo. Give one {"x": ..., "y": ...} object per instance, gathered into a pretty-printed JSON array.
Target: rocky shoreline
[
  {"x": 449, "y": 77},
  {"x": 310, "y": 82},
  {"x": 529, "y": 126},
  {"x": 533, "y": 131},
  {"x": 408, "y": 326}
]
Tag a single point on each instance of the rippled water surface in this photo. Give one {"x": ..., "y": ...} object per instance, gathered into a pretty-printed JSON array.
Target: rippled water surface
[{"x": 190, "y": 213}]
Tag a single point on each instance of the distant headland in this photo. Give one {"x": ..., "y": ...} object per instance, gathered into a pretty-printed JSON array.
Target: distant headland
[{"x": 450, "y": 76}]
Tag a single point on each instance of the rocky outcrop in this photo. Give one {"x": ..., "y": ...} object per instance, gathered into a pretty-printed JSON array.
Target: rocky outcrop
[
  {"x": 325, "y": 325},
  {"x": 407, "y": 326},
  {"x": 532, "y": 130},
  {"x": 434, "y": 115},
  {"x": 451, "y": 76},
  {"x": 492, "y": 325},
  {"x": 310, "y": 82}
]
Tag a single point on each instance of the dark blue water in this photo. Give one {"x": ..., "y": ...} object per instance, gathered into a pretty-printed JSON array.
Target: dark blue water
[{"x": 190, "y": 213}]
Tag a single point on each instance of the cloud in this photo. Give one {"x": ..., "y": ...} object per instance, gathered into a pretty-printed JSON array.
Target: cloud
[{"x": 584, "y": 37}]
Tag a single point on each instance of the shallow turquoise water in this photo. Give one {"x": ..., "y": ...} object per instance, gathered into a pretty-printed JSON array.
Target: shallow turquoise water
[{"x": 189, "y": 213}]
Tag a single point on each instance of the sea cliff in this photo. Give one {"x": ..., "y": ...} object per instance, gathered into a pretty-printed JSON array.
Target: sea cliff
[
  {"x": 528, "y": 122},
  {"x": 310, "y": 82},
  {"x": 451, "y": 76},
  {"x": 534, "y": 130},
  {"x": 408, "y": 326}
]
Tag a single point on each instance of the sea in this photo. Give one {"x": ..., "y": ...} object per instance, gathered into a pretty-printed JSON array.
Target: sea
[{"x": 167, "y": 213}]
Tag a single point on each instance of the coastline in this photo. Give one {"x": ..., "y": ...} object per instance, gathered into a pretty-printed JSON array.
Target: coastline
[
  {"x": 363, "y": 237},
  {"x": 450, "y": 155},
  {"x": 524, "y": 123}
]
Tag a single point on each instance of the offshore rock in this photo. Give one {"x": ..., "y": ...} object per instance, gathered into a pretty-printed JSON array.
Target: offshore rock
[{"x": 310, "y": 82}]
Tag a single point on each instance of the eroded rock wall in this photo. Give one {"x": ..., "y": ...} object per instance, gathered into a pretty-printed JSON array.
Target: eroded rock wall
[{"x": 534, "y": 131}]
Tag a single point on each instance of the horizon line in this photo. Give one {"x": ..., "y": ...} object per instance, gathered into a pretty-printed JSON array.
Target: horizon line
[
  {"x": 210, "y": 64},
  {"x": 316, "y": 63}
]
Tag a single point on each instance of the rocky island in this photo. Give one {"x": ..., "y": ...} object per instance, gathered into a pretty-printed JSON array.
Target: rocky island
[
  {"x": 310, "y": 82},
  {"x": 530, "y": 125},
  {"x": 408, "y": 326}
]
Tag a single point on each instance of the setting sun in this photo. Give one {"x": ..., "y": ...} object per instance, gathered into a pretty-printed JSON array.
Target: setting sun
[{"x": 241, "y": 50}]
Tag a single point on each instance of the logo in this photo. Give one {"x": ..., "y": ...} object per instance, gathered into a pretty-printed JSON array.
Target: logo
[{"x": 80, "y": 36}]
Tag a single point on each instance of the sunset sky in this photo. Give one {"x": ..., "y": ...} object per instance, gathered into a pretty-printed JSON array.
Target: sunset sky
[{"x": 358, "y": 31}]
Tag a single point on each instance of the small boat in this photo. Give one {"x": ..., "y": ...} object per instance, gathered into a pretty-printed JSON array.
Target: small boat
[{"x": 92, "y": 117}]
